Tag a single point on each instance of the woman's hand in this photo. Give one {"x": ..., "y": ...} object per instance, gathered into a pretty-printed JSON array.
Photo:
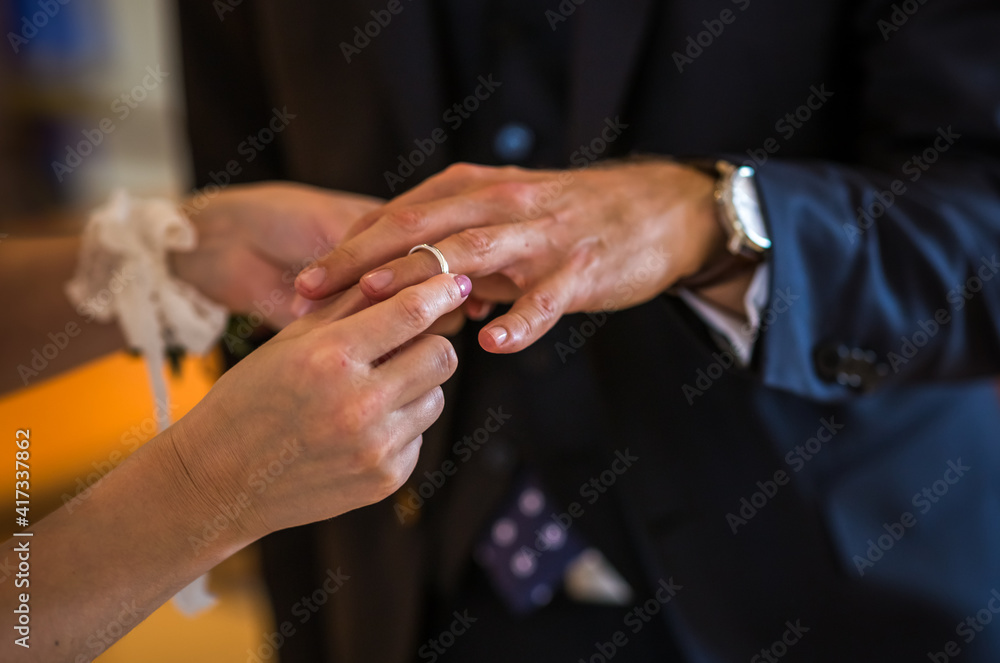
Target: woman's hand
[
  {"x": 253, "y": 240},
  {"x": 337, "y": 406},
  {"x": 324, "y": 418},
  {"x": 551, "y": 242}
]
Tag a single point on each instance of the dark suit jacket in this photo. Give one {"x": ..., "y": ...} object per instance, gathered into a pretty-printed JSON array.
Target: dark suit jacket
[{"x": 867, "y": 391}]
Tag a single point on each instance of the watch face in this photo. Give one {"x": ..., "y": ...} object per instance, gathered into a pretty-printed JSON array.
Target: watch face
[{"x": 747, "y": 207}]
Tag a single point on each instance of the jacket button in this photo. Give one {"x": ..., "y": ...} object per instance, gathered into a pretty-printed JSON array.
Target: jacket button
[{"x": 514, "y": 142}]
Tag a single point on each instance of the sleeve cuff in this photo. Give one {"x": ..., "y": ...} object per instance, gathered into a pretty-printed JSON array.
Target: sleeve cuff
[{"x": 735, "y": 334}]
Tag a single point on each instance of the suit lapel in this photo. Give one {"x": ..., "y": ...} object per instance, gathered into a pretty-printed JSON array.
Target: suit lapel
[{"x": 600, "y": 77}]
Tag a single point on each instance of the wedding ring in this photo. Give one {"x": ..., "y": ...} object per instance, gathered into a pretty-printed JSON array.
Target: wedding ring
[{"x": 437, "y": 254}]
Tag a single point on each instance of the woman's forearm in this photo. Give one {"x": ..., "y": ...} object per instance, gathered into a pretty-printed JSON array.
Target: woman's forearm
[
  {"x": 102, "y": 563},
  {"x": 45, "y": 334}
]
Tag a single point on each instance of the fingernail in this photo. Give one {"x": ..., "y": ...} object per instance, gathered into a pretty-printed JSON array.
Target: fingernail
[
  {"x": 311, "y": 278},
  {"x": 379, "y": 280},
  {"x": 476, "y": 310},
  {"x": 300, "y": 306},
  {"x": 498, "y": 334},
  {"x": 464, "y": 284}
]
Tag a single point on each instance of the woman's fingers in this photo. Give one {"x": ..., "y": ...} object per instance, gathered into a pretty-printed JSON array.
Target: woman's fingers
[
  {"x": 385, "y": 326},
  {"x": 408, "y": 374}
]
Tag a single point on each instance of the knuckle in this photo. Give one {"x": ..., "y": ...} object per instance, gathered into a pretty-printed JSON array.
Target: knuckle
[
  {"x": 319, "y": 361},
  {"x": 445, "y": 359},
  {"x": 371, "y": 458},
  {"x": 360, "y": 413},
  {"x": 417, "y": 311},
  {"x": 463, "y": 170},
  {"x": 544, "y": 304},
  {"x": 391, "y": 479},
  {"x": 437, "y": 399},
  {"x": 509, "y": 191},
  {"x": 479, "y": 243},
  {"x": 346, "y": 252},
  {"x": 408, "y": 220}
]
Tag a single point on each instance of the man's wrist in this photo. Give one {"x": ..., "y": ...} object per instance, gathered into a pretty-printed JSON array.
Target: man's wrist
[{"x": 730, "y": 295}]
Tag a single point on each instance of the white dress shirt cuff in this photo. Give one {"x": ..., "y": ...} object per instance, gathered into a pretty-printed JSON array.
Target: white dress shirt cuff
[{"x": 740, "y": 335}]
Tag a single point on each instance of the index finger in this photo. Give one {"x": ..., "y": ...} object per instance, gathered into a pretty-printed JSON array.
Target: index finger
[{"x": 383, "y": 327}]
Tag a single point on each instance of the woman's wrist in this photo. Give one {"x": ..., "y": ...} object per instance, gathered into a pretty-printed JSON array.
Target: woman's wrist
[{"x": 223, "y": 516}]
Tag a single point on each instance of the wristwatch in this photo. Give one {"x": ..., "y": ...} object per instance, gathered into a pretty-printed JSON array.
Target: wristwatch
[{"x": 739, "y": 212}]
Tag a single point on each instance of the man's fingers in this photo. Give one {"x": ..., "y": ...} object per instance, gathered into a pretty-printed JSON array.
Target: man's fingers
[
  {"x": 531, "y": 316},
  {"x": 385, "y": 326},
  {"x": 453, "y": 181},
  {"x": 339, "y": 306},
  {"x": 391, "y": 236},
  {"x": 475, "y": 251},
  {"x": 496, "y": 289},
  {"x": 334, "y": 307},
  {"x": 477, "y": 309}
]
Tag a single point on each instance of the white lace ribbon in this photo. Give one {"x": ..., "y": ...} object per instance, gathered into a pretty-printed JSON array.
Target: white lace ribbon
[
  {"x": 124, "y": 254},
  {"x": 122, "y": 275}
]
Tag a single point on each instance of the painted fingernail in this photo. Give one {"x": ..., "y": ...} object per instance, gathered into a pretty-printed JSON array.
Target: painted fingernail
[
  {"x": 464, "y": 284},
  {"x": 498, "y": 334},
  {"x": 311, "y": 278}
]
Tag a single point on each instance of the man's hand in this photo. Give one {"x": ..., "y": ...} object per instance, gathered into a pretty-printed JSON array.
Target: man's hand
[
  {"x": 253, "y": 240},
  {"x": 551, "y": 242}
]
